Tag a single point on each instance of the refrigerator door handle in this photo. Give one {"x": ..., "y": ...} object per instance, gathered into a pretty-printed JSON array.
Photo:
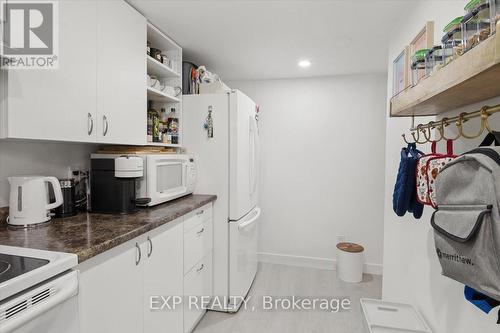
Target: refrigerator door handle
[
  {"x": 250, "y": 156},
  {"x": 253, "y": 155},
  {"x": 256, "y": 156},
  {"x": 248, "y": 223}
]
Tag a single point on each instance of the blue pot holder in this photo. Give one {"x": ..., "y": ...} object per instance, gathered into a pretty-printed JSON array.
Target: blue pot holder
[{"x": 404, "y": 198}]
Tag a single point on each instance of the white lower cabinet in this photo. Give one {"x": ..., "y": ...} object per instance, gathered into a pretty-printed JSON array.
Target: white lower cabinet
[
  {"x": 163, "y": 277},
  {"x": 197, "y": 291},
  {"x": 130, "y": 288},
  {"x": 198, "y": 245},
  {"x": 110, "y": 296}
]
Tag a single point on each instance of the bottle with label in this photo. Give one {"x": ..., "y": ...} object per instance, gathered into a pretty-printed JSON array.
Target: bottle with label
[
  {"x": 156, "y": 127},
  {"x": 153, "y": 124},
  {"x": 173, "y": 126},
  {"x": 163, "y": 124},
  {"x": 150, "y": 123}
]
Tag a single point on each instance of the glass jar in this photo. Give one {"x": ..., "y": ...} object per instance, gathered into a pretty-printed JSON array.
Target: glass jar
[
  {"x": 452, "y": 40},
  {"x": 495, "y": 14},
  {"x": 434, "y": 59},
  {"x": 473, "y": 4},
  {"x": 418, "y": 66},
  {"x": 476, "y": 23}
]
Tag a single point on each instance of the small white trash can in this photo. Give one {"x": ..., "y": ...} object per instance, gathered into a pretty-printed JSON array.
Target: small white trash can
[{"x": 350, "y": 262}]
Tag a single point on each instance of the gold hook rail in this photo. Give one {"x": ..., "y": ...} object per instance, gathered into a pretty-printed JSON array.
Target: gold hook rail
[{"x": 485, "y": 112}]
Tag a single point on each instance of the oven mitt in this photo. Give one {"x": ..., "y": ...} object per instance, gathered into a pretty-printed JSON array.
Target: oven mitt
[
  {"x": 404, "y": 198},
  {"x": 483, "y": 302},
  {"x": 415, "y": 207}
]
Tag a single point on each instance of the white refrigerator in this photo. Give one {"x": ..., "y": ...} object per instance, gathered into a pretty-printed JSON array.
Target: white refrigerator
[{"x": 228, "y": 166}]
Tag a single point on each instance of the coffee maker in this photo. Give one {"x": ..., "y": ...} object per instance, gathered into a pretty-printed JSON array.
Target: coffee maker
[{"x": 112, "y": 184}]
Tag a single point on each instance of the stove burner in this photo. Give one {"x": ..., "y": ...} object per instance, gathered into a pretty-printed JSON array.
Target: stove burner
[
  {"x": 12, "y": 266},
  {"x": 4, "y": 267}
]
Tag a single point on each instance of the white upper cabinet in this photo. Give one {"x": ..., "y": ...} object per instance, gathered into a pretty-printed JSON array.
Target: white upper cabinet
[
  {"x": 121, "y": 74},
  {"x": 57, "y": 104},
  {"x": 97, "y": 93}
]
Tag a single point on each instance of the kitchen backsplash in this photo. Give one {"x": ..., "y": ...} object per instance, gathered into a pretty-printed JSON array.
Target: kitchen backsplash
[{"x": 35, "y": 158}]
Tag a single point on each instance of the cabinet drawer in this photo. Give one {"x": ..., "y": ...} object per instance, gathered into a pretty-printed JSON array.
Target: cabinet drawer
[
  {"x": 197, "y": 283},
  {"x": 197, "y": 243},
  {"x": 197, "y": 216}
]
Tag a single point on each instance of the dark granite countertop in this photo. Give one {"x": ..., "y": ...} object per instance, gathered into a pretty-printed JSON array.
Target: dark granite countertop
[{"x": 88, "y": 234}]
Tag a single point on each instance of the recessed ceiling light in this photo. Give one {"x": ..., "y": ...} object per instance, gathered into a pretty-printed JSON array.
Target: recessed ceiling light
[{"x": 304, "y": 63}]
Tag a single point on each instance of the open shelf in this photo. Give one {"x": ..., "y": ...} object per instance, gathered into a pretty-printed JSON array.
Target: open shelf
[
  {"x": 161, "y": 41},
  {"x": 160, "y": 144},
  {"x": 471, "y": 78},
  {"x": 158, "y": 96},
  {"x": 158, "y": 69},
  {"x": 167, "y": 75}
]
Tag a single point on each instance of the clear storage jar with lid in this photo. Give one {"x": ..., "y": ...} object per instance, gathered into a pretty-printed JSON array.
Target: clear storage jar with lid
[
  {"x": 418, "y": 66},
  {"x": 476, "y": 23},
  {"x": 452, "y": 40},
  {"x": 434, "y": 59},
  {"x": 495, "y": 14}
]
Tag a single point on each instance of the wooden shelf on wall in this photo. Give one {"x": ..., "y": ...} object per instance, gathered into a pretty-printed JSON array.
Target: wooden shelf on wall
[{"x": 472, "y": 78}]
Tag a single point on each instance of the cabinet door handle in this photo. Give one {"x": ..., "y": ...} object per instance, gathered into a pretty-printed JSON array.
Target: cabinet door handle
[
  {"x": 105, "y": 130},
  {"x": 200, "y": 212},
  {"x": 90, "y": 124},
  {"x": 201, "y": 268},
  {"x": 139, "y": 254},
  {"x": 150, "y": 247},
  {"x": 200, "y": 232}
]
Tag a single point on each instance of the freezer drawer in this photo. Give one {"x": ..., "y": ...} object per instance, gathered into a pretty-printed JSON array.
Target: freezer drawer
[{"x": 243, "y": 239}]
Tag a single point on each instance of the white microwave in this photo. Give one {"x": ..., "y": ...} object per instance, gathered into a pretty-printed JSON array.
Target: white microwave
[{"x": 166, "y": 177}]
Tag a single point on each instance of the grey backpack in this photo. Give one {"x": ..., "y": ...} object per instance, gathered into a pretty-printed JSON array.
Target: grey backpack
[{"x": 467, "y": 222}]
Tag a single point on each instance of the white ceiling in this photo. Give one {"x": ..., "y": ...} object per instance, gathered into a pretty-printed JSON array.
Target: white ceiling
[{"x": 245, "y": 40}]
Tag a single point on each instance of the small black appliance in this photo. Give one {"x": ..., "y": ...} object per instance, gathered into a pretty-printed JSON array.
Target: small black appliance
[
  {"x": 112, "y": 184},
  {"x": 68, "y": 208}
]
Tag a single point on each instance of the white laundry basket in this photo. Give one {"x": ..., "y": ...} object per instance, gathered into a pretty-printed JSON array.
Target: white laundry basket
[
  {"x": 350, "y": 257},
  {"x": 387, "y": 317}
]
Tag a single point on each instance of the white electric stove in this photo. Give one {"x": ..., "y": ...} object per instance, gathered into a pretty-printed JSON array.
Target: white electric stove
[{"x": 38, "y": 291}]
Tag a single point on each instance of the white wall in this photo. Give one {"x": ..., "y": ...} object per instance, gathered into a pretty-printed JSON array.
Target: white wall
[
  {"x": 322, "y": 166},
  {"x": 411, "y": 269},
  {"x": 38, "y": 158}
]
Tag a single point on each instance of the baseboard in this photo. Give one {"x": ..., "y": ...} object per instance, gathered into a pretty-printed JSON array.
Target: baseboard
[{"x": 312, "y": 262}]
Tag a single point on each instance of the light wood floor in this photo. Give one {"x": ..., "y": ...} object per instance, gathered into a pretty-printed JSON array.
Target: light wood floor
[{"x": 278, "y": 280}]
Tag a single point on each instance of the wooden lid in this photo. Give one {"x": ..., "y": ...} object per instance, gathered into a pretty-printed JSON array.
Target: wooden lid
[{"x": 350, "y": 247}]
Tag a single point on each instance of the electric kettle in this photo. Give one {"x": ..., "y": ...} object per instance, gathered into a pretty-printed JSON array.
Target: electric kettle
[{"x": 29, "y": 200}]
